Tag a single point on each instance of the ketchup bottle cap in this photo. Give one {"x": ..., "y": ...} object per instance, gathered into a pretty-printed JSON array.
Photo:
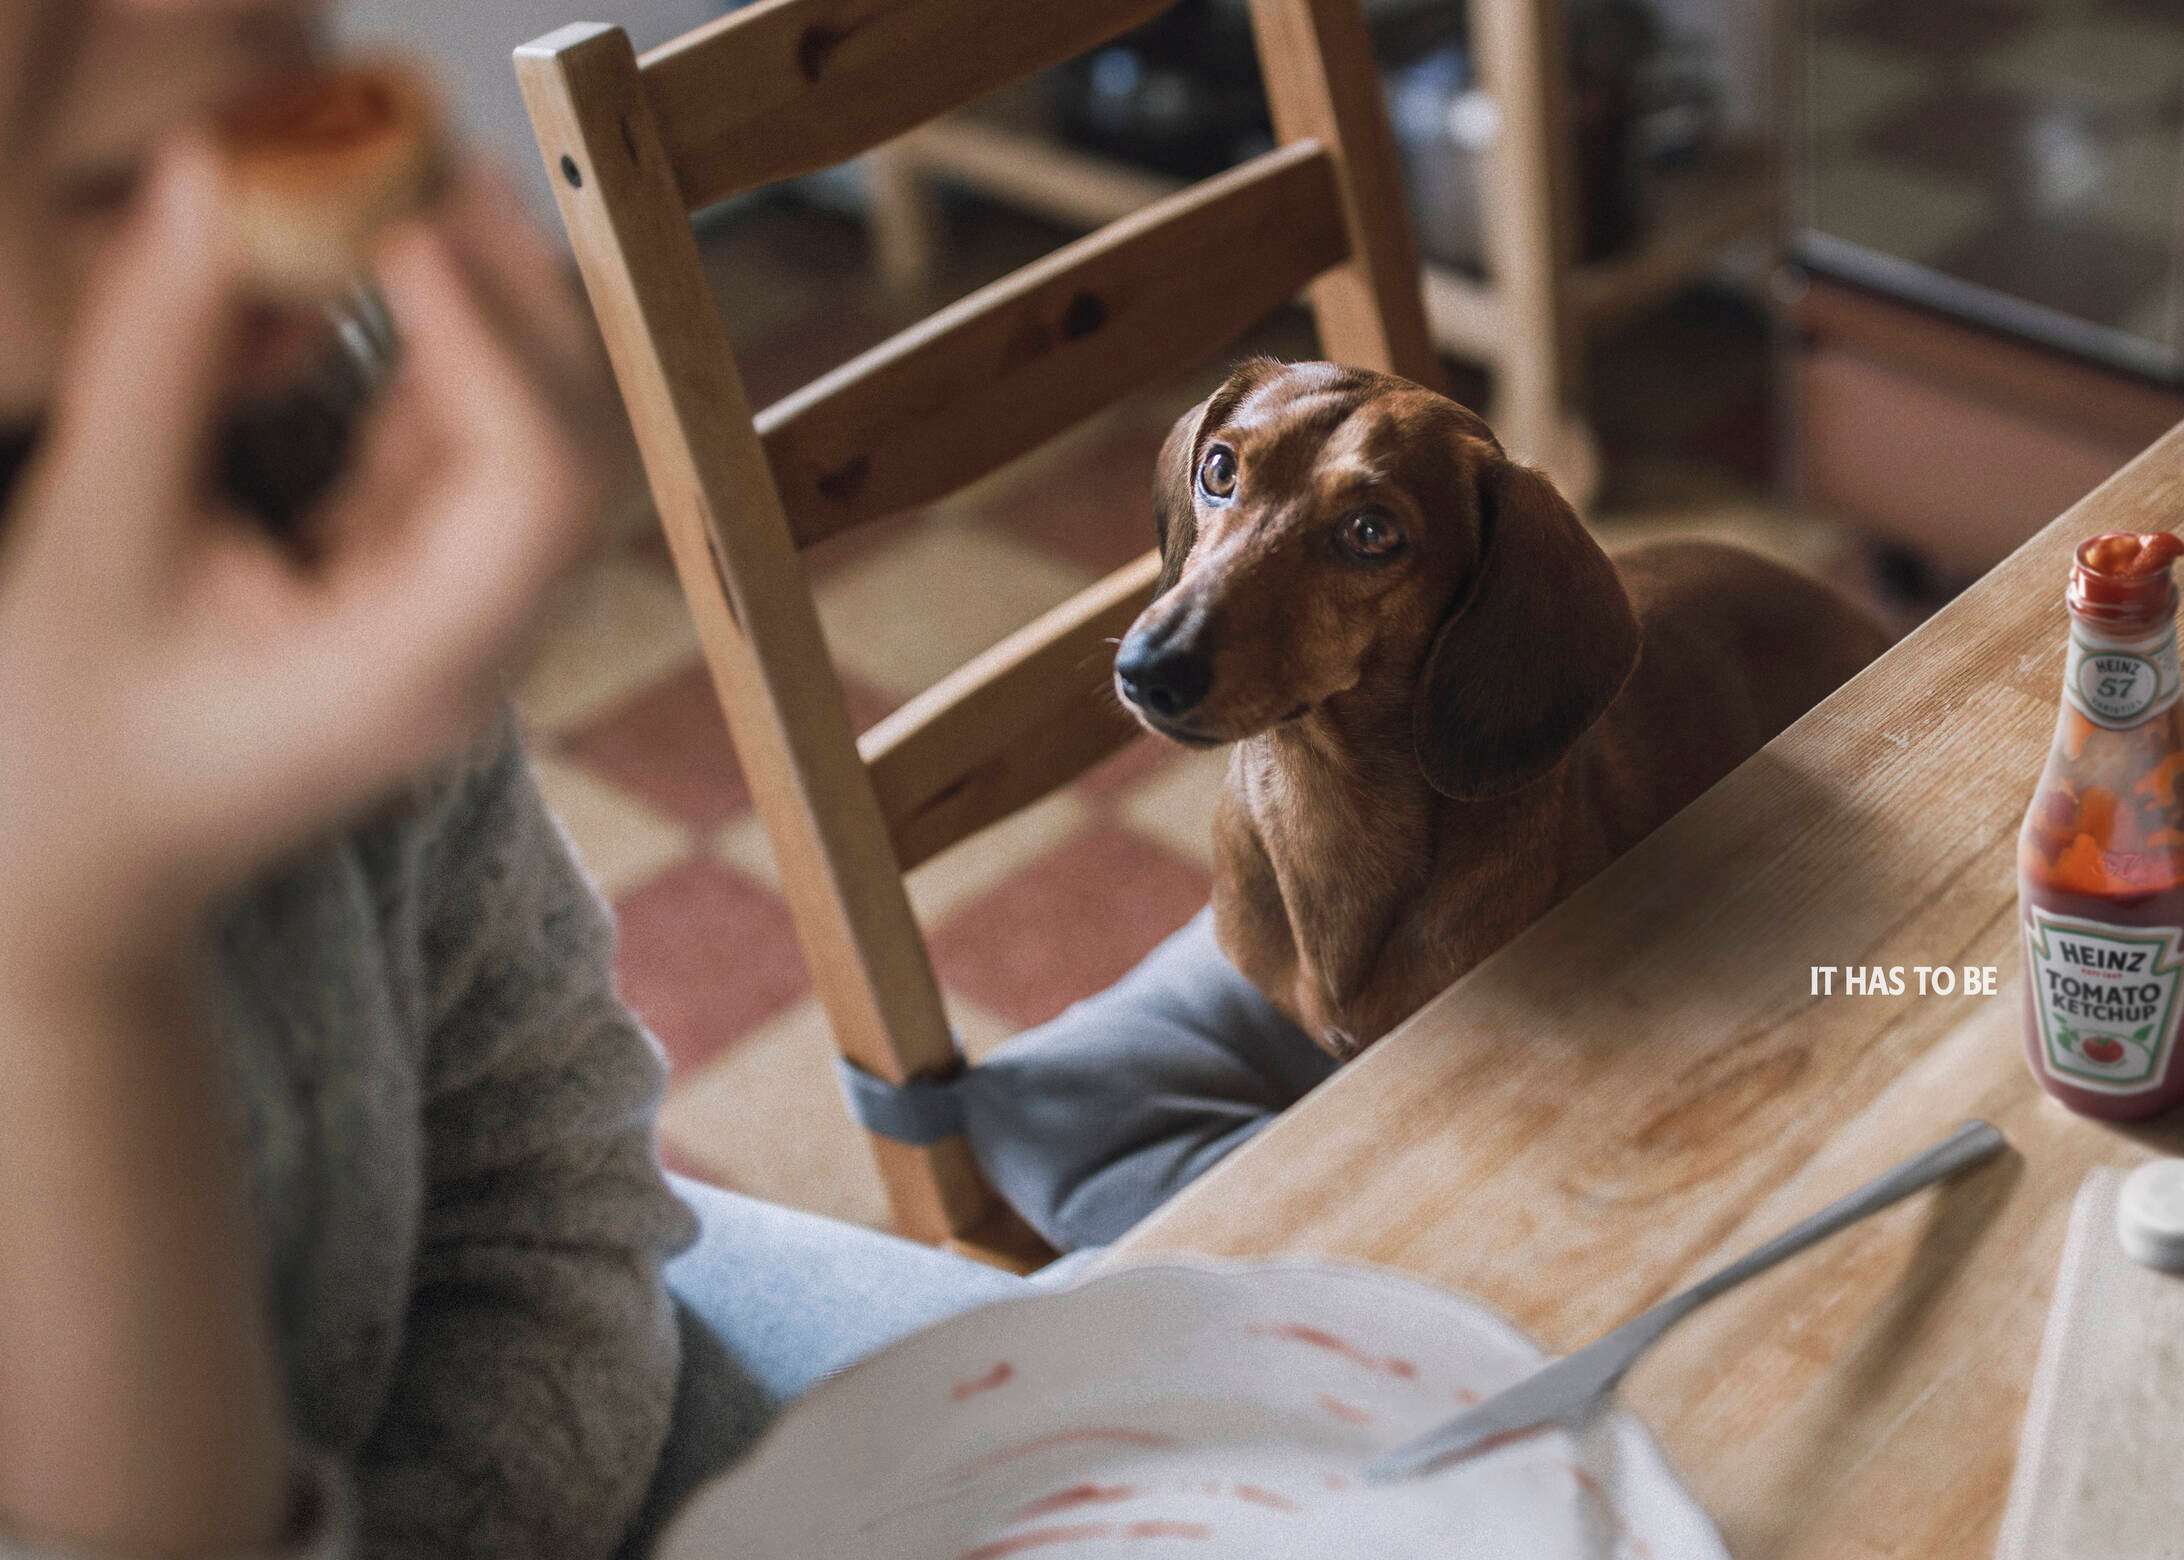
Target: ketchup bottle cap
[
  {"x": 2150, "y": 1215},
  {"x": 2121, "y": 579}
]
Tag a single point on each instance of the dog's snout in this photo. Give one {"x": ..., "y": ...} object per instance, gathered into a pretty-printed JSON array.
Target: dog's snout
[{"x": 1162, "y": 676}]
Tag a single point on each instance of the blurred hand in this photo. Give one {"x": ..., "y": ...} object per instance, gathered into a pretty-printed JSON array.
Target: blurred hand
[{"x": 181, "y": 700}]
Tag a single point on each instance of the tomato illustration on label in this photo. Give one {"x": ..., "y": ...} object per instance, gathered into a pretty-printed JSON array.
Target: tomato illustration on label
[{"x": 2107, "y": 1050}]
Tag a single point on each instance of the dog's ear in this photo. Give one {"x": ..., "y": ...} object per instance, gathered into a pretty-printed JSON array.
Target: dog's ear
[
  {"x": 1175, "y": 516},
  {"x": 1534, "y": 653}
]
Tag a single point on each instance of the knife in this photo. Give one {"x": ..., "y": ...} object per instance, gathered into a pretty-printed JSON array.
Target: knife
[{"x": 1567, "y": 1391}]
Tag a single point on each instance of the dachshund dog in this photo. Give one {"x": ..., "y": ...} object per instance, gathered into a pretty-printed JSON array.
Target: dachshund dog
[{"x": 1448, "y": 707}]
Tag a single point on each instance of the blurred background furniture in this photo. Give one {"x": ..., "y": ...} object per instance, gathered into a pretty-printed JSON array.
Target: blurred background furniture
[
  {"x": 1997, "y": 178},
  {"x": 1565, "y": 161},
  {"x": 641, "y": 145},
  {"x": 1989, "y": 296}
]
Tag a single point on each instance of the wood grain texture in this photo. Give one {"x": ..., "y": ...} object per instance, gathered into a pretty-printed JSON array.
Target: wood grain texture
[
  {"x": 1029, "y": 715},
  {"x": 755, "y": 618},
  {"x": 1641, "y": 1087},
  {"x": 1322, "y": 84},
  {"x": 999, "y": 373},
  {"x": 782, "y": 89}
]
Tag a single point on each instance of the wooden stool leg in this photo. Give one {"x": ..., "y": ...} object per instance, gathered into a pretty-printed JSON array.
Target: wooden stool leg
[
  {"x": 1530, "y": 215},
  {"x": 904, "y": 220}
]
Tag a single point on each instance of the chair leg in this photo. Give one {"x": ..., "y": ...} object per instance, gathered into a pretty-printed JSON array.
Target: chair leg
[{"x": 1528, "y": 206}]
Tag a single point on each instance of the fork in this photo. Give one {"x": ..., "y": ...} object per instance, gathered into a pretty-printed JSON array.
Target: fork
[{"x": 1569, "y": 1390}]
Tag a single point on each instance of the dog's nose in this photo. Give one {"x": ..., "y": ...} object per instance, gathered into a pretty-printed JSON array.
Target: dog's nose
[{"x": 1164, "y": 678}]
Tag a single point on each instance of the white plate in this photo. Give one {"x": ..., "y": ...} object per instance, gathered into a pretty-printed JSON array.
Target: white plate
[{"x": 1209, "y": 1411}]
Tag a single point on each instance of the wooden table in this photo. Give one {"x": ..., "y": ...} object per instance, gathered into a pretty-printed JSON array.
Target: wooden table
[{"x": 1641, "y": 1086}]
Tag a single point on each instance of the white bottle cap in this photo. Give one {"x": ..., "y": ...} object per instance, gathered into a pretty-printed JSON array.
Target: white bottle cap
[{"x": 2150, "y": 1215}]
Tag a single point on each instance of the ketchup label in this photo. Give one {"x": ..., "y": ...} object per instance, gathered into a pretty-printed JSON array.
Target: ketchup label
[
  {"x": 2106, "y": 999},
  {"x": 2120, "y": 683}
]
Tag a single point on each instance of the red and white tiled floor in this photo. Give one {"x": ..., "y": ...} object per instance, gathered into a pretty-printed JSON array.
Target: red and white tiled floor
[{"x": 1038, "y": 911}]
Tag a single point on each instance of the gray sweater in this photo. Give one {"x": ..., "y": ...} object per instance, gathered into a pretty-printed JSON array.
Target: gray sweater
[{"x": 449, "y": 1117}]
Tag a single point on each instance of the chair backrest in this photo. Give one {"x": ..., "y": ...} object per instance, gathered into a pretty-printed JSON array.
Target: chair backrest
[{"x": 785, "y": 87}]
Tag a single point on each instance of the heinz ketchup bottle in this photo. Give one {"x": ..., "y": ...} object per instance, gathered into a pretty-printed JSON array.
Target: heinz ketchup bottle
[{"x": 2101, "y": 857}]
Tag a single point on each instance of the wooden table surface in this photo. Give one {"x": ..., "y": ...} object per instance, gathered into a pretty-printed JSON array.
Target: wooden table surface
[{"x": 1641, "y": 1087}]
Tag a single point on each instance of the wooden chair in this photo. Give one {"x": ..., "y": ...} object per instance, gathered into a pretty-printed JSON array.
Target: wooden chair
[{"x": 790, "y": 86}]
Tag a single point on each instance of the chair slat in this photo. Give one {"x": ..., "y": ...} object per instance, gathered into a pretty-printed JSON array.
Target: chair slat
[
  {"x": 1031, "y": 714},
  {"x": 788, "y": 87},
  {"x": 1016, "y": 363}
]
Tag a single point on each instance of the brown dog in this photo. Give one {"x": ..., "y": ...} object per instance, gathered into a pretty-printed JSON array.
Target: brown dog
[{"x": 1449, "y": 707}]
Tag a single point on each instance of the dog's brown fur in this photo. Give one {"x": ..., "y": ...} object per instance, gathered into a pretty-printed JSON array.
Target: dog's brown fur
[{"x": 1431, "y": 750}]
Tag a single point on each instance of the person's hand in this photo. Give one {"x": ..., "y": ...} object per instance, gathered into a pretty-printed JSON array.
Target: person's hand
[{"x": 181, "y": 700}]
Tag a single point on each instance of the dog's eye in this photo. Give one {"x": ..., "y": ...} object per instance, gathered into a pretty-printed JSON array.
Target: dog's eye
[
  {"x": 1217, "y": 472},
  {"x": 1372, "y": 533}
]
